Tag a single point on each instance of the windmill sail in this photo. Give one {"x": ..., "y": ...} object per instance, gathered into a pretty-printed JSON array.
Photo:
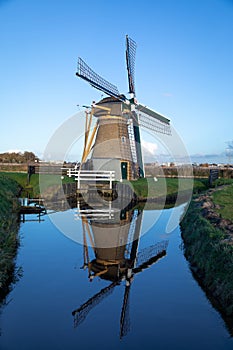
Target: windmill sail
[
  {"x": 130, "y": 62},
  {"x": 125, "y": 319},
  {"x": 149, "y": 255},
  {"x": 81, "y": 313},
  {"x": 152, "y": 120},
  {"x": 86, "y": 73}
]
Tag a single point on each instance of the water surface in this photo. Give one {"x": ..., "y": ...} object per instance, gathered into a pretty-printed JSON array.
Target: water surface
[{"x": 166, "y": 309}]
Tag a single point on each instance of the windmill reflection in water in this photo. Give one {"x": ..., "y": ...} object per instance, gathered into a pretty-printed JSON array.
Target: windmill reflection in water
[{"x": 112, "y": 237}]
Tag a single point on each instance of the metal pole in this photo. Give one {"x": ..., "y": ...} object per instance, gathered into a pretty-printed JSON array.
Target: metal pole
[
  {"x": 79, "y": 180},
  {"x": 110, "y": 209},
  {"x": 110, "y": 185}
]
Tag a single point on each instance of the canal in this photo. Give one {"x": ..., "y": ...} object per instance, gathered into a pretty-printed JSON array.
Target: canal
[{"x": 66, "y": 299}]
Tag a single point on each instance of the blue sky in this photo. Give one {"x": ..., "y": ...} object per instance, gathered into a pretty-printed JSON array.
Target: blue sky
[{"x": 183, "y": 65}]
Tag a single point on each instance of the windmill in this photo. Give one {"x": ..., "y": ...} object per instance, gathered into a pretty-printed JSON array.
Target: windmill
[
  {"x": 115, "y": 263},
  {"x": 115, "y": 140}
]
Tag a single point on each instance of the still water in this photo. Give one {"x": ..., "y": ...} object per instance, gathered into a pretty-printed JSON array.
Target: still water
[{"x": 154, "y": 303}]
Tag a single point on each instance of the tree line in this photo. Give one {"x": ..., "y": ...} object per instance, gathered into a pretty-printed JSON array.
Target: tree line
[{"x": 19, "y": 158}]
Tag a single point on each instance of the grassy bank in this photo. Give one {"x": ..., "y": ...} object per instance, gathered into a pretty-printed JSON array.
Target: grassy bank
[
  {"x": 33, "y": 187},
  {"x": 9, "y": 225},
  {"x": 167, "y": 186},
  {"x": 143, "y": 187},
  {"x": 223, "y": 201},
  {"x": 210, "y": 257}
]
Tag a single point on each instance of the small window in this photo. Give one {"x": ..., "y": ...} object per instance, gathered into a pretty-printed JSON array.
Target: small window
[{"x": 123, "y": 139}]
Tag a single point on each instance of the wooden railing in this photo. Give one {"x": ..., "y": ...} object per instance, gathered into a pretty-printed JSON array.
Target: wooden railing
[{"x": 92, "y": 175}]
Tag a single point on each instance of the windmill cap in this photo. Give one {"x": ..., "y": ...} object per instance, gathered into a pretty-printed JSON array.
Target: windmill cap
[{"x": 111, "y": 99}]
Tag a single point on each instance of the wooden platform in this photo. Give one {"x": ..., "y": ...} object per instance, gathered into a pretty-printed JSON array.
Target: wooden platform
[{"x": 28, "y": 209}]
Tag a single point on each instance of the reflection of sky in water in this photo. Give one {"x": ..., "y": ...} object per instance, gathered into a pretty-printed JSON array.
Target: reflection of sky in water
[
  {"x": 158, "y": 220},
  {"x": 167, "y": 308},
  {"x": 67, "y": 224}
]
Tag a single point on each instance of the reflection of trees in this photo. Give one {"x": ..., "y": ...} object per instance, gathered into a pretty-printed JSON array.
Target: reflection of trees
[{"x": 115, "y": 263}]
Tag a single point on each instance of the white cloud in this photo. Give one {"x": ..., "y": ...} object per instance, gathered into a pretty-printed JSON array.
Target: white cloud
[{"x": 150, "y": 150}]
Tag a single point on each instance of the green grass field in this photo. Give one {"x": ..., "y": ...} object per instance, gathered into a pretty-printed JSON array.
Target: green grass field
[
  {"x": 224, "y": 198},
  {"x": 144, "y": 188},
  {"x": 34, "y": 185},
  {"x": 167, "y": 186}
]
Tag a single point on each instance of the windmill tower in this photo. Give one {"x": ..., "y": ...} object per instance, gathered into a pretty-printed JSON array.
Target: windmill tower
[
  {"x": 115, "y": 141},
  {"x": 114, "y": 147}
]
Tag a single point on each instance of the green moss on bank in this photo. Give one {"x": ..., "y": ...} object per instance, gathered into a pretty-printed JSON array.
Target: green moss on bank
[
  {"x": 211, "y": 259},
  {"x": 9, "y": 225}
]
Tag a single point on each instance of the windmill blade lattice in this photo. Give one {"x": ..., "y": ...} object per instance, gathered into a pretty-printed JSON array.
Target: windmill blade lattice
[
  {"x": 125, "y": 317},
  {"x": 130, "y": 61},
  {"x": 86, "y": 73},
  {"x": 150, "y": 255},
  {"x": 153, "y": 120},
  {"x": 81, "y": 313}
]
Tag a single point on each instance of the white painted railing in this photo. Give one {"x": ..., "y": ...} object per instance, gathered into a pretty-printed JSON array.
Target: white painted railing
[
  {"x": 92, "y": 175},
  {"x": 96, "y": 213}
]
